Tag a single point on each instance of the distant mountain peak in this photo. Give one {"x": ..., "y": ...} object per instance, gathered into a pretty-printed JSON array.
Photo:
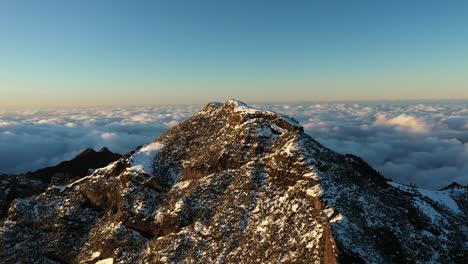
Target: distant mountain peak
[
  {"x": 86, "y": 152},
  {"x": 104, "y": 150},
  {"x": 453, "y": 185}
]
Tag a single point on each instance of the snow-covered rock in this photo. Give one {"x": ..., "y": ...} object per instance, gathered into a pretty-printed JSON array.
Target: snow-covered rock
[{"x": 234, "y": 184}]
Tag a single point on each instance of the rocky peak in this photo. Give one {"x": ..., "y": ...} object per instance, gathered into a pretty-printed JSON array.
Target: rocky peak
[
  {"x": 453, "y": 185},
  {"x": 239, "y": 112},
  {"x": 104, "y": 150},
  {"x": 86, "y": 152},
  {"x": 234, "y": 184}
]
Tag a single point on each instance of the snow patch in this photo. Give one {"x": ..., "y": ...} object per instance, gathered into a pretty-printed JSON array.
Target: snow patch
[
  {"x": 329, "y": 212},
  {"x": 289, "y": 147},
  {"x": 427, "y": 210},
  {"x": 95, "y": 254},
  {"x": 295, "y": 207},
  {"x": 264, "y": 132},
  {"x": 183, "y": 184},
  {"x": 142, "y": 160},
  {"x": 60, "y": 188},
  {"x": 105, "y": 261},
  {"x": 277, "y": 129},
  {"x": 103, "y": 169},
  {"x": 242, "y": 107},
  {"x": 179, "y": 205},
  {"x": 315, "y": 191},
  {"x": 441, "y": 197},
  {"x": 337, "y": 218},
  {"x": 263, "y": 226},
  {"x": 78, "y": 181},
  {"x": 311, "y": 175}
]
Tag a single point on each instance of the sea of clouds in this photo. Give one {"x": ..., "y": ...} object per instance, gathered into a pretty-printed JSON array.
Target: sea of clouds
[{"x": 420, "y": 143}]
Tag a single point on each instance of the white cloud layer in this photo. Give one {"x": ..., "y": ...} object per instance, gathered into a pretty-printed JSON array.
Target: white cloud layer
[
  {"x": 32, "y": 139},
  {"x": 406, "y": 122},
  {"x": 420, "y": 143}
]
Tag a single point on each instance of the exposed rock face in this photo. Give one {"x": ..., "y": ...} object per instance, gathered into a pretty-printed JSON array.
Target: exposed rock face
[
  {"x": 234, "y": 184},
  {"x": 33, "y": 183}
]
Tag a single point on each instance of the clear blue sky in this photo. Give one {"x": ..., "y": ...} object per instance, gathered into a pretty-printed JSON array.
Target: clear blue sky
[{"x": 164, "y": 52}]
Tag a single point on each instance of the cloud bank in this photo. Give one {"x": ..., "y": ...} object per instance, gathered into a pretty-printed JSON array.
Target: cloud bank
[
  {"x": 420, "y": 143},
  {"x": 32, "y": 139}
]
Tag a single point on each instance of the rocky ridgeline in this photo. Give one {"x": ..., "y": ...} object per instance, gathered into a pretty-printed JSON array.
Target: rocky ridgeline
[
  {"x": 34, "y": 183},
  {"x": 234, "y": 184}
]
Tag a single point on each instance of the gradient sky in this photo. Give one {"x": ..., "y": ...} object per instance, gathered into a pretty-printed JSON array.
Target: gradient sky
[{"x": 169, "y": 52}]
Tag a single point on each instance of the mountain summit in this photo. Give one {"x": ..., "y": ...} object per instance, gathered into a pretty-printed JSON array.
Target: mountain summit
[{"x": 234, "y": 184}]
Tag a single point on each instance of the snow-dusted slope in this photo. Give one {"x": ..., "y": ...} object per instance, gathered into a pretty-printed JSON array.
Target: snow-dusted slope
[{"x": 235, "y": 184}]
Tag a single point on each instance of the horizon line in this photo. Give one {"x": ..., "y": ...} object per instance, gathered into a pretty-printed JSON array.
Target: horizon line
[{"x": 253, "y": 102}]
